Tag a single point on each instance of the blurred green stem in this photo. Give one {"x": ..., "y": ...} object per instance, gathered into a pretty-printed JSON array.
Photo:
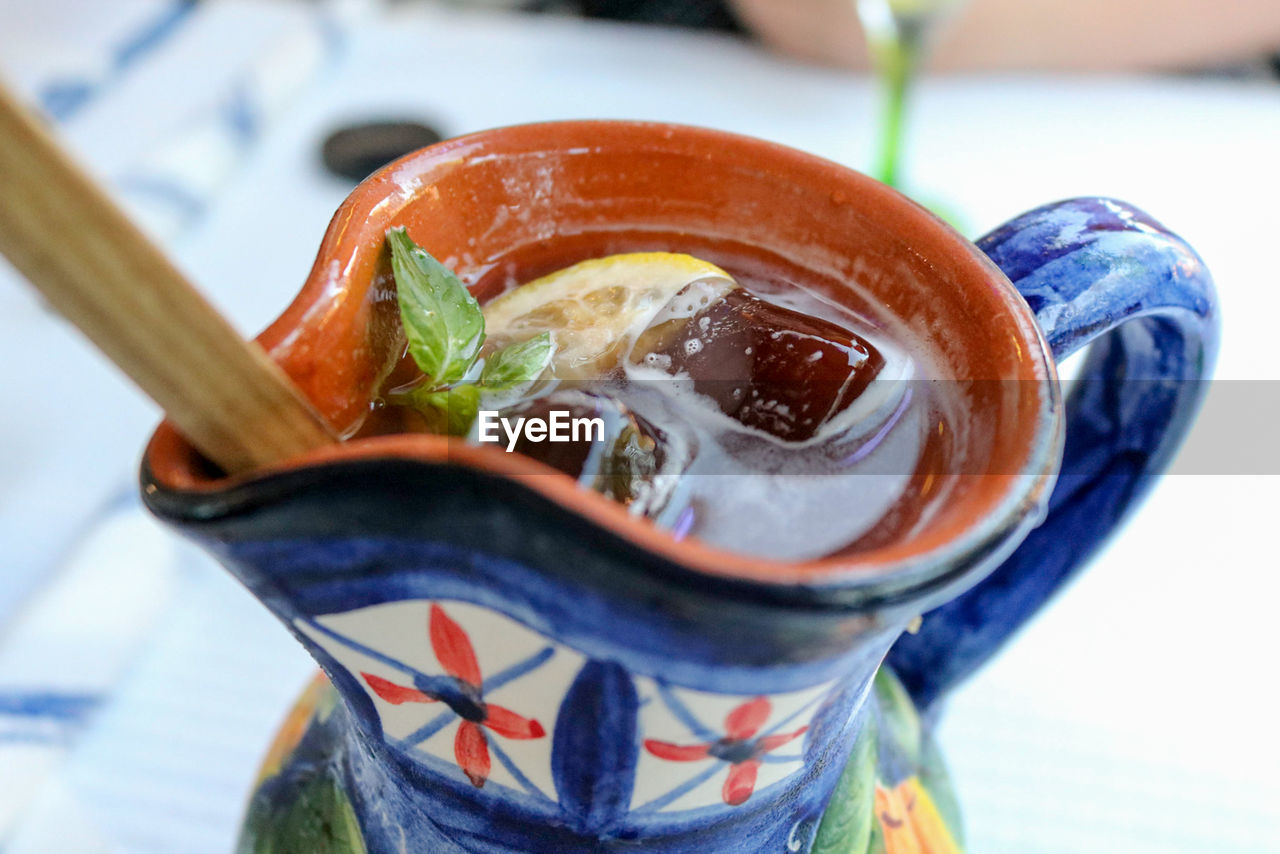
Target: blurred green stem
[{"x": 896, "y": 60}]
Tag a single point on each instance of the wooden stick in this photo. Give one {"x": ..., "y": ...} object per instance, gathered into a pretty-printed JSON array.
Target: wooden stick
[{"x": 95, "y": 267}]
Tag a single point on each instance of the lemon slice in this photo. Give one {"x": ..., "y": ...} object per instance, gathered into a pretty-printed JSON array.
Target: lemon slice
[{"x": 596, "y": 309}]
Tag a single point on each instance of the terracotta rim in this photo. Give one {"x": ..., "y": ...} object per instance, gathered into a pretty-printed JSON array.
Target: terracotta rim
[{"x": 172, "y": 465}]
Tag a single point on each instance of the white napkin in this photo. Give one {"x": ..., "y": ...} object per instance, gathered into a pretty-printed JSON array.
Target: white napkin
[
  {"x": 62, "y": 656},
  {"x": 64, "y": 646}
]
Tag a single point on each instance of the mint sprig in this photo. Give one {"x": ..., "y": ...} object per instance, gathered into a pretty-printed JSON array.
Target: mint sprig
[
  {"x": 517, "y": 364},
  {"x": 445, "y": 330},
  {"x": 450, "y": 411},
  {"x": 442, "y": 321}
]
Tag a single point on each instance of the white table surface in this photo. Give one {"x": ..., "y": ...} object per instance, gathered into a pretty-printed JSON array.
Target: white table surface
[{"x": 1136, "y": 715}]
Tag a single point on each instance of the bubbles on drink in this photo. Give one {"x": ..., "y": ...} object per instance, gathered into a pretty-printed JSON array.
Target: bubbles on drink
[
  {"x": 753, "y": 413},
  {"x": 799, "y": 419}
]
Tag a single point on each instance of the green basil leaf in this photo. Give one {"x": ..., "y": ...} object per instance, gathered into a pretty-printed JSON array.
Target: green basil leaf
[
  {"x": 452, "y": 411},
  {"x": 517, "y": 364},
  {"x": 442, "y": 321}
]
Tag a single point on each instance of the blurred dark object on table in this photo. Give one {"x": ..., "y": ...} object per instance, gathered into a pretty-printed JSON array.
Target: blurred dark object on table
[
  {"x": 714, "y": 14},
  {"x": 355, "y": 151},
  {"x": 709, "y": 14}
]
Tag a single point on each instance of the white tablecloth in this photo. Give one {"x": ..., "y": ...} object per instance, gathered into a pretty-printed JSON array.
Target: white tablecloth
[{"x": 1136, "y": 715}]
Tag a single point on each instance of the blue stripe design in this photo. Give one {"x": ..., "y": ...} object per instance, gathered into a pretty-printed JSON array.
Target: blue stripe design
[
  {"x": 775, "y": 759},
  {"x": 525, "y": 782},
  {"x": 791, "y": 717},
  {"x": 522, "y": 668},
  {"x": 439, "y": 687},
  {"x": 42, "y": 737},
  {"x": 71, "y": 708},
  {"x": 418, "y": 736},
  {"x": 680, "y": 791},
  {"x": 683, "y": 714},
  {"x": 152, "y": 36},
  {"x": 241, "y": 114},
  {"x": 364, "y": 650},
  {"x": 44, "y": 717},
  {"x": 62, "y": 99}
]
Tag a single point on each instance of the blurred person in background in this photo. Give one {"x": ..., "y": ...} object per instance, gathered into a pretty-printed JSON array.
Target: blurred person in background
[{"x": 1080, "y": 35}]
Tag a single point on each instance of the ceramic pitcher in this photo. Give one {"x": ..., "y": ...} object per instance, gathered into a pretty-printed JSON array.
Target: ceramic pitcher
[{"x": 519, "y": 665}]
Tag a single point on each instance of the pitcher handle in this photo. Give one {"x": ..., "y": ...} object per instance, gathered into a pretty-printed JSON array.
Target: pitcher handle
[{"x": 1093, "y": 271}]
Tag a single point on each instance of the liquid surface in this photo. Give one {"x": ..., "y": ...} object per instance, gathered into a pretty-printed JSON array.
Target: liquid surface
[{"x": 781, "y": 418}]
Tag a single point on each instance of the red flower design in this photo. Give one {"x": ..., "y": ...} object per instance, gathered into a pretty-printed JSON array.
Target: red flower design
[
  {"x": 739, "y": 747},
  {"x": 464, "y": 694}
]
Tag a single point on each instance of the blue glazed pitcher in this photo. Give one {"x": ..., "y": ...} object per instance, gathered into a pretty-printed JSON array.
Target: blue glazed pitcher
[{"x": 515, "y": 664}]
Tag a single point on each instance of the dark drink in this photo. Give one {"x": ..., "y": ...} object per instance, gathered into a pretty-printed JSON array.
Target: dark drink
[{"x": 777, "y": 413}]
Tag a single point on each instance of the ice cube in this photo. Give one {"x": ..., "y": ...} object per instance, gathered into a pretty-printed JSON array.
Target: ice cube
[
  {"x": 634, "y": 463},
  {"x": 768, "y": 367}
]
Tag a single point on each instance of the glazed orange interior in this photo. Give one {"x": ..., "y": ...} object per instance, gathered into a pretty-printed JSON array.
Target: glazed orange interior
[{"x": 473, "y": 200}]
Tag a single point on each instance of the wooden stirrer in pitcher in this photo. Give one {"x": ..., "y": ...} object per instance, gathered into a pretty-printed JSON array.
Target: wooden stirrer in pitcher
[{"x": 224, "y": 393}]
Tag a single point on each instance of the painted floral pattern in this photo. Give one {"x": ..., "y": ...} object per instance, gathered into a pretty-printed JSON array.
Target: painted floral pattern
[
  {"x": 701, "y": 749},
  {"x": 474, "y": 695},
  {"x": 457, "y": 687},
  {"x": 462, "y": 691},
  {"x": 741, "y": 747}
]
